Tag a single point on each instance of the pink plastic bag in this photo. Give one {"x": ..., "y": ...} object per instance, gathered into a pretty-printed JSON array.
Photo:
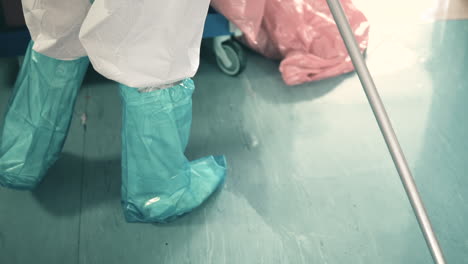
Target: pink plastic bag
[{"x": 300, "y": 32}]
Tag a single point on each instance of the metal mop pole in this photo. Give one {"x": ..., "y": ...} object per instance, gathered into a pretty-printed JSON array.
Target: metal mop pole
[{"x": 386, "y": 128}]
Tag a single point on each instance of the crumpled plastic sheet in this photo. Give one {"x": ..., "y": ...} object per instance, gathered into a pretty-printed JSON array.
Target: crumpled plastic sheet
[{"x": 302, "y": 33}]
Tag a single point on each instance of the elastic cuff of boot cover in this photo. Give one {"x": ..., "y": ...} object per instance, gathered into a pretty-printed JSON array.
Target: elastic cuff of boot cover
[
  {"x": 150, "y": 89},
  {"x": 62, "y": 68},
  {"x": 175, "y": 94}
]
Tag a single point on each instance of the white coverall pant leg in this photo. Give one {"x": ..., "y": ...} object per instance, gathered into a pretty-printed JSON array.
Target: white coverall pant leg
[{"x": 145, "y": 43}]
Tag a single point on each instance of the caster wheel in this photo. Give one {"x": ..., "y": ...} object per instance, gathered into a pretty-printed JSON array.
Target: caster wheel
[{"x": 236, "y": 56}]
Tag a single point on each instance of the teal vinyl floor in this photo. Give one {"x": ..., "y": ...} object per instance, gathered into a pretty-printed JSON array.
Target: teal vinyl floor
[{"x": 310, "y": 179}]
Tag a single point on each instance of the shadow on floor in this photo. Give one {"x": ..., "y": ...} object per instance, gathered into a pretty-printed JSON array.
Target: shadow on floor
[
  {"x": 71, "y": 174},
  {"x": 59, "y": 187},
  {"x": 9, "y": 70}
]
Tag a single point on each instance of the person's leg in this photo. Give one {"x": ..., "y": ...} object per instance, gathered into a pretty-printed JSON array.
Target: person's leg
[
  {"x": 148, "y": 45},
  {"x": 158, "y": 182},
  {"x": 41, "y": 106},
  {"x": 145, "y": 43},
  {"x": 55, "y": 25}
]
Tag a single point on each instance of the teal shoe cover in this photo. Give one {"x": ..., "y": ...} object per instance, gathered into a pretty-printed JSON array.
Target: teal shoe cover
[
  {"x": 38, "y": 117},
  {"x": 158, "y": 182}
]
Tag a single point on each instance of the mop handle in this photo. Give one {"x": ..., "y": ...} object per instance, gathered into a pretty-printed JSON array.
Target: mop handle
[{"x": 386, "y": 128}]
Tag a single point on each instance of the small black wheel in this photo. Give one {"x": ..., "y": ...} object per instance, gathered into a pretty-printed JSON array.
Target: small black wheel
[{"x": 236, "y": 56}]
